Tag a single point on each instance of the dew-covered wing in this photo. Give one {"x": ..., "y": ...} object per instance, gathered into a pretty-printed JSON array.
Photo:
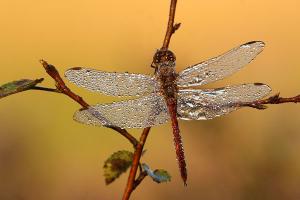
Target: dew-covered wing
[
  {"x": 111, "y": 83},
  {"x": 211, "y": 103},
  {"x": 220, "y": 67},
  {"x": 138, "y": 113}
]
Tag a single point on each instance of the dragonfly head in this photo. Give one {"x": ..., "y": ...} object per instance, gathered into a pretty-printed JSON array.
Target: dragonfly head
[{"x": 164, "y": 58}]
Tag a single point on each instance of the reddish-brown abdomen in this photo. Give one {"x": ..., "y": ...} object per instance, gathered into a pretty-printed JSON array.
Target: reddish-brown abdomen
[{"x": 172, "y": 105}]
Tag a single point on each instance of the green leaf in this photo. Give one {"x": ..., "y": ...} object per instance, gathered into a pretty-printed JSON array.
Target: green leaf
[
  {"x": 18, "y": 86},
  {"x": 158, "y": 175},
  {"x": 117, "y": 164}
]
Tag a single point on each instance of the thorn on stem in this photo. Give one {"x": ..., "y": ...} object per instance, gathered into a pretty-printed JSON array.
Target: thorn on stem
[
  {"x": 274, "y": 99},
  {"x": 176, "y": 27}
]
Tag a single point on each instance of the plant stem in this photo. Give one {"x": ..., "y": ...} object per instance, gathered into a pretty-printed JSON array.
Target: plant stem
[
  {"x": 135, "y": 164},
  {"x": 45, "y": 89},
  {"x": 139, "y": 179},
  {"x": 276, "y": 99},
  {"x": 171, "y": 28}
]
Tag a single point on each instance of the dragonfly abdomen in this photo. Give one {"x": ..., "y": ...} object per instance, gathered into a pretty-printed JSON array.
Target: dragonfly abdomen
[{"x": 172, "y": 107}]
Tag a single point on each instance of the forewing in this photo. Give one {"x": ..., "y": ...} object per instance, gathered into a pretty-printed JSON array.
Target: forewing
[
  {"x": 211, "y": 103},
  {"x": 220, "y": 67},
  {"x": 111, "y": 83},
  {"x": 138, "y": 113}
]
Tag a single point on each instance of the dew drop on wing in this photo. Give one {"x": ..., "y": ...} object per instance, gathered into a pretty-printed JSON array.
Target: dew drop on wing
[
  {"x": 221, "y": 66},
  {"x": 112, "y": 83},
  {"x": 216, "y": 102},
  {"x": 137, "y": 113}
]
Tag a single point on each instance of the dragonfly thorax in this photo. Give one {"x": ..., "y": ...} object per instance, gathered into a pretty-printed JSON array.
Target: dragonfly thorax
[{"x": 164, "y": 58}]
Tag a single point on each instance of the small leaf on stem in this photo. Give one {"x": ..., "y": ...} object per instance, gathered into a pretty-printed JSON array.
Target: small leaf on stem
[
  {"x": 18, "y": 86},
  {"x": 158, "y": 175},
  {"x": 117, "y": 164}
]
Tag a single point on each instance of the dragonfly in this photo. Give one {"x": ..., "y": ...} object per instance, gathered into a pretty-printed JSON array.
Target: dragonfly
[{"x": 168, "y": 95}]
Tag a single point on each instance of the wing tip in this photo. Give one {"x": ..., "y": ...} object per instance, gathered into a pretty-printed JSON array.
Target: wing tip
[
  {"x": 260, "y": 43},
  {"x": 75, "y": 68},
  {"x": 259, "y": 84},
  {"x": 70, "y": 70},
  {"x": 267, "y": 87}
]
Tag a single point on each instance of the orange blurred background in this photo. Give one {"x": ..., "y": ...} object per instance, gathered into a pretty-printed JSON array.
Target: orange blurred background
[{"x": 249, "y": 154}]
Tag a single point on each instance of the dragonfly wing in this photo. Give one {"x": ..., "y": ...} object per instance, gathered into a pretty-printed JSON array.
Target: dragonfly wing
[
  {"x": 138, "y": 113},
  {"x": 211, "y": 103},
  {"x": 111, "y": 83},
  {"x": 221, "y": 66}
]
